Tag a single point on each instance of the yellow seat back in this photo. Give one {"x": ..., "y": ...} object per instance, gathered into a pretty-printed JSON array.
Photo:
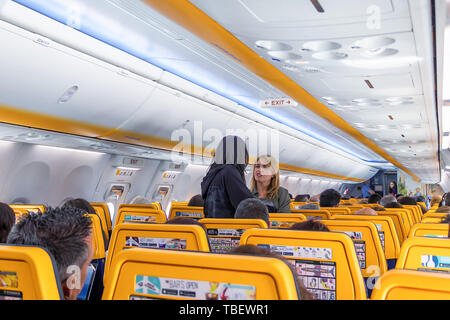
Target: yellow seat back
[
  {"x": 103, "y": 224},
  {"x": 366, "y": 239},
  {"x": 225, "y": 234},
  {"x": 398, "y": 222},
  {"x": 406, "y": 215},
  {"x": 153, "y": 235},
  {"x": 103, "y": 210},
  {"x": 417, "y": 211},
  {"x": 139, "y": 215},
  {"x": 97, "y": 238},
  {"x": 20, "y": 209},
  {"x": 326, "y": 262},
  {"x": 28, "y": 273},
  {"x": 386, "y": 230},
  {"x": 435, "y": 215},
  {"x": 295, "y": 205},
  {"x": 322, "y": 214},
  {"x": 431, "y": 220},
  {"x": 352, "y": 208},
  {"x": 186, "y": 211},
  {"x": 285, "y": 220},
  {"x": 412, "y": 285},
  {"x": 432, "y": 230},
  {"x": 337, "y": 210},
  {"x": 141, "y": 212},
  {"x": 425, "y": 254},
  {"x": 163, "y": 274}
]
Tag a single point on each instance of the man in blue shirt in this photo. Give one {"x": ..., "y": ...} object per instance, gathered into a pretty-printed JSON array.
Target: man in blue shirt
[{"x": 366, "y": 190}]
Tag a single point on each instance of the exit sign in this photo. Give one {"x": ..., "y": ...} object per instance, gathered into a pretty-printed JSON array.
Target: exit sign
[{"x": 278, "y": 102}]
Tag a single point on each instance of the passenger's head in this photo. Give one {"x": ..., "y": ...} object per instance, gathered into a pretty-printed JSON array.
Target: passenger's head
[
  {"x": 309, "y": 225},
  {"x": 363, "y": 201},
  {"x": 80, "y": 204},
  {"x": 445, "y": 200},
  {"x": 7, "y": 220},
  {"x": 387, "y": 199},
  {"x": 140, "y": 200},
  {"x": 408, "y": 201},
  {"x": 374, "y": 198},
  {"x": 435, "y": 199},
  {"x": 366, "y": 212},
  {"x": 393, "y": 205},
  {"x": 330, "y": 198},
  {"x": 266, "y": 171},
  {"x": 392, "y": 185},
  {"x": 231, "y": 151},
  {"x": 186, "y": 220},
  {"x": 444, "y": 209},
  {"x": 251, "y": 249},
  {"x": 252, "y": 208},
  {"x": 302, "y": 198},
  {"x": 309, "y": 206},
  {"x": 196, "y": 201},
  {"x": 378, "y": 208},
  {"x": 67, "y": 234}
]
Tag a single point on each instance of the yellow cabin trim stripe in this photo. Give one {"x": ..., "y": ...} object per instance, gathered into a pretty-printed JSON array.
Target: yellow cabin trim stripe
[
  {"x": 196, "y": 21},
  {"x": 37, "y": 120}
]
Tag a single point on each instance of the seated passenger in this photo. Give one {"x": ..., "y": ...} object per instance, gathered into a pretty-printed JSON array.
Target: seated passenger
[
  {"x": 186, "y": 220},
  {"x": 224, "y": 185},
  {"x": 302, "y": 198},
  {"x": 265, "y": 185},
  {"x": 252, "y": 209},
  {"x": 309, "y": 225},
  {"x": 435, "y": 199},
  {"x": 7, "y": 220},
  {"x": 366, "y": 212},
  {"x": 196, "y": 201},
  {"x": 88, "y": 208},
  {"x": 67, "y": 234},
  {"x": 443, "y": 209},
  {"x": 330, "y": 198},
  {"x": 309, "y": 206},
  {"x": 251, "y": 249},
  {"x": 408, "y": 201},
  {"x": 393, "y": 205},
  {"x": 387, "y": 199},
  {"x": 140, "y": 200},
  {"x": 445, "y": 200},
  {"x": 374, "y": 198}
]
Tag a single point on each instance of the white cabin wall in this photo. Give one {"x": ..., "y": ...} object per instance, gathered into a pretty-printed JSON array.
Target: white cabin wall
[{"x": 46, "y": 175}]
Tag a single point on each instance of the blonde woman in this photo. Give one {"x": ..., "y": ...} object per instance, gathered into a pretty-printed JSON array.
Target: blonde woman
[{"x": 266, "y": 185}]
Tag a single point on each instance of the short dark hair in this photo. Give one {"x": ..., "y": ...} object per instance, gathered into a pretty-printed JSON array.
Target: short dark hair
[
  {"x": 374, "y": 198},
  {"x": 62, "y": 231},
  {"x": 393, "y": 205},
  {"x": 408, "y": 201},
  {"x": 80, "y": 204},
  {"x": 379, "y": 208},
  {"x": 185, "y": 220},
  {"x": 252, "y": 208},
  {"x": 309, "y": 225},
  {"x": 302, "y": 198},
  {"x": 329, "y": 198},
  {"x": 84, "y": 205},
  {"x": 196, "y": 201},
  {"x": 7, "y": 220}
]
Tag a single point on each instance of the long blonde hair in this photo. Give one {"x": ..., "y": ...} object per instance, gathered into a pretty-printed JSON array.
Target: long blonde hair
[{"x": 272, "y": 190}]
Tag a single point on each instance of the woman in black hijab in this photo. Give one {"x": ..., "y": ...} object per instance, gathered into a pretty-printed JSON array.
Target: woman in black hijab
[{"x": 223, "y": 187}]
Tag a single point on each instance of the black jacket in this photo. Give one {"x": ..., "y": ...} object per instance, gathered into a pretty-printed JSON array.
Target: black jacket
[{"x": 223, "y": 188}]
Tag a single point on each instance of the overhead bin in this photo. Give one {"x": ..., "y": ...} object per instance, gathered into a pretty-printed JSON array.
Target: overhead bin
[{"x": 36, "y": 76}]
